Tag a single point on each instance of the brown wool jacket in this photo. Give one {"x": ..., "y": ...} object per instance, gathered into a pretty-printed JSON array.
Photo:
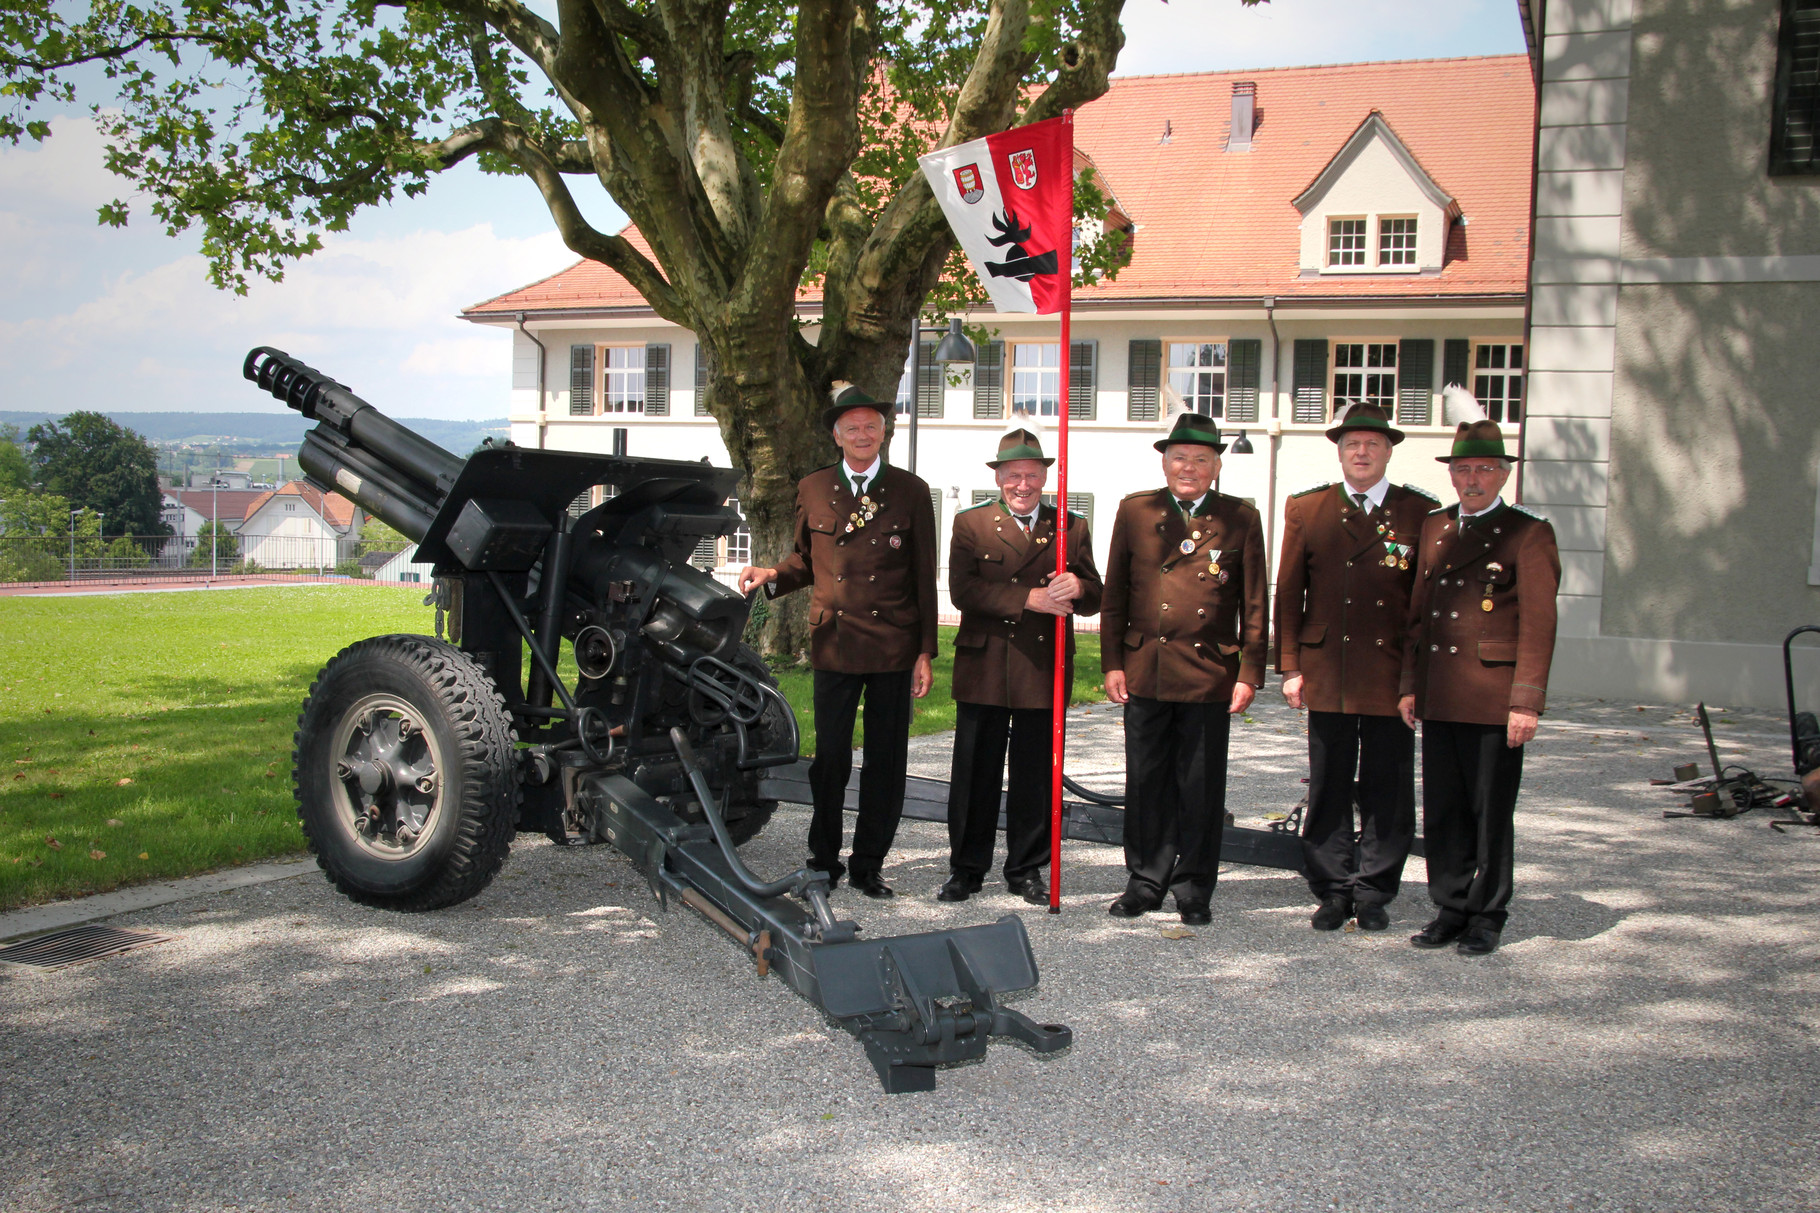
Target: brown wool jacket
[
  {"x": 1340, "y": 610},
  {"x": 873, "y": 606},
  {"x": 1178, "y": 631},
  {"x": 1462, "y": 662},
  {"x": 1004, "y": 655}
]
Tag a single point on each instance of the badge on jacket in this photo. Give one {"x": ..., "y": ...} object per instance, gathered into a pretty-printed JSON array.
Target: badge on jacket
[{"x": 897, "y": 541}]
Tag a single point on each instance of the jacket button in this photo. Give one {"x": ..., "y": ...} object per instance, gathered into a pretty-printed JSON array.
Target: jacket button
[
  {"x": 1162, "y": 640},
  {"x": 1349, "y": 564},
  {"x": 1349, "y": 602},
  {"x": 840, "y": 577},
  {"x": 875, "y": 578},
  {"x": 1434, "y": 648},
  {"x": 1437, "y": 614},
  {"x": 1165, "y": 606},
  {"x": 1014, "y": 581},
  {"x": 840, "y": 612},
  {"x": 1453, "y": 614},
  {"x": 1380, "y": 644},
  {"x": 1380, "y": 602},
  {"x": 1197, "y": 644},
  {"x": 1201, "y": 611},
  {"x": 1345, "y": 638},
  {"x": 875, "y": 614},
  {"x": 1453, "y": 648}
]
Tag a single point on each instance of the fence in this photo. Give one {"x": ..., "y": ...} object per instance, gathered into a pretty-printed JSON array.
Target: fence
[{"x": 52, "y": 557}]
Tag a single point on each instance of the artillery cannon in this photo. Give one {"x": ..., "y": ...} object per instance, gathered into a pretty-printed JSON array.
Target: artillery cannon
[{"x": 417, "y": 760}]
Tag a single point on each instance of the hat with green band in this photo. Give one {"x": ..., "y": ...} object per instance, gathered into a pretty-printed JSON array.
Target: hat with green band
[
  {"x": 1019, "y": 444},
  {"x": 847, "y": 397},
  {"x": 1477, "y": 440},
  {"x": 1195, "y": 429},
  {"x": 1369, "y": 418}
]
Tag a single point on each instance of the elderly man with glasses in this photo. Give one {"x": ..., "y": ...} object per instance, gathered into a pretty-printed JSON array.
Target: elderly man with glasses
[
  {"x": 1475, "y": 672},
  {"x": 1001, "y": 573}
]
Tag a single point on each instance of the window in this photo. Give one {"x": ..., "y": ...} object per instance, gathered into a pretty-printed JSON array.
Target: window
[
  {"x": 1497, "y": 381},
  {"x": 1197, "y": 371},
  {"x": 933, "y": 387},
  {"x": 739, "y": 543},
  {"x": 1795, "y": 111},
  {"x": 1396, "y": 242},
  {"x": 1345, "y": 242},
  {"x": 290, "y": 507},
  {"x": 1364, "y": 373},
  {"x": 1078, "y": 503},
  {"x": 622, "y": 379},
  {"x": 1036, "y": 379}
]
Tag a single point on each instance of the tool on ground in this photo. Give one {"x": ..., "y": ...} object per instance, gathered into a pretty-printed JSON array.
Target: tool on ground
[{"x": 417, "y": 759}]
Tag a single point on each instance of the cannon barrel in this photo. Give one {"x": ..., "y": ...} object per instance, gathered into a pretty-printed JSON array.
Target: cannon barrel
[{"x": 390, "y": 470}]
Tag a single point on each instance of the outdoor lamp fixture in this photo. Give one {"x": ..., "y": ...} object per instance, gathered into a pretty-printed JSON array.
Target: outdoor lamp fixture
[
  {"x": 954, "y": 348},
  {"x": 1241, "y": 445}
]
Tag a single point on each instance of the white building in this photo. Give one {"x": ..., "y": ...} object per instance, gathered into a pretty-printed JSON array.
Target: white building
[
  {"x": 298, "y": 526},
  {"x": 1301, "y": 238}
]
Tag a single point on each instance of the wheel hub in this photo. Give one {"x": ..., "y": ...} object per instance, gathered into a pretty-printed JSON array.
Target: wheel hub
[{"x": 385, "y": 768}]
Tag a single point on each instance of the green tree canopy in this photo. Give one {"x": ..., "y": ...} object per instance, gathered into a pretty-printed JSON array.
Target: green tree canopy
[
  {"x": 100, "y": 465},
  {"x": 757, "y": 145},
  {"x": 15, "y": 470}
]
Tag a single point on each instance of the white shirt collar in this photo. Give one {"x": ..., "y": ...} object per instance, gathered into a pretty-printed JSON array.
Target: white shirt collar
[
  {"x": 1495, "y": 503},
  {"x": 870, "y": 473},
  {"x": 1194, "y": 507},
  {"x": 1375, "y": 494}
]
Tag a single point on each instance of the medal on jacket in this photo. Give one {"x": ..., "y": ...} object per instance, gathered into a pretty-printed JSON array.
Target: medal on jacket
[
  {"x": 1493, "y": 567},
  {"x": 867, "y": 509},
  {"x": 1213, "y": 565},
  {"x": 1187, "y": 546},
  {"x": 1393, "y": 556}
]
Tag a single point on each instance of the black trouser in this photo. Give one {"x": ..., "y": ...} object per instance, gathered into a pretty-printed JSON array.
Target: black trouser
[
  {"x": 1175, "y": 797},
  {"x": 881, "y": 780},
  {"x": 1373, "y": 758},
  {"x": 1469, "y": 797},
  {"x": 982, "y": 733}
]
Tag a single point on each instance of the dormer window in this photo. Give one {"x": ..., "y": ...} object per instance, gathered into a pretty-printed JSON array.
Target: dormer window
[
  {"x": 1397, "y": 243},
  {"x": 1345, "y": 243}
]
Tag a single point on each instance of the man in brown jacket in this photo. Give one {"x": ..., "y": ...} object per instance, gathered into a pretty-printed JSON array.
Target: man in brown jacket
[
  {"x": 1475, "y": 671},
  {"x": 1343, "y": 584},
  {"x": 865, "y": 540},
  {"x": 1182, "y": 644},
  {"x": 1001, "y": 574}
]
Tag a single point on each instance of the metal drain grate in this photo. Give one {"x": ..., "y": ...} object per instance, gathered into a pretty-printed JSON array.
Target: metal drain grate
[{"x": 61, "y": 949}]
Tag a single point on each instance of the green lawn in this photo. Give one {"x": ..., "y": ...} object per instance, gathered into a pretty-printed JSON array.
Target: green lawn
[{"x": 146, "y": 736}]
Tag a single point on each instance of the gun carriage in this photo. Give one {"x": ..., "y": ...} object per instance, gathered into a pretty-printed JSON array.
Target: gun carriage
[{"x": 417, "y": 760}]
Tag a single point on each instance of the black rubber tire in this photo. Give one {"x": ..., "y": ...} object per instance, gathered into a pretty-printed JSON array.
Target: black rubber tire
[{"x": 469, "y": 834}]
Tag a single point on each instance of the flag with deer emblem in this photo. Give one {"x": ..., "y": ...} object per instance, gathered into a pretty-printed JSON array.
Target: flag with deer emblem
[{"x": 1010, "y": 199}]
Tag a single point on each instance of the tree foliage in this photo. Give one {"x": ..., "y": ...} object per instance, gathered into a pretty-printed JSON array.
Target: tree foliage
[
  {"x": 100, "y": 465},
  {"x": 15, "y": 470},
  {"x": 215, "y": 546},
  {"x": 757, "y": 146}
]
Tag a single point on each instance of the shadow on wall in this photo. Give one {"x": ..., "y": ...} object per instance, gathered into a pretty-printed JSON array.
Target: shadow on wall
[{"x": 1714, "y": 442}]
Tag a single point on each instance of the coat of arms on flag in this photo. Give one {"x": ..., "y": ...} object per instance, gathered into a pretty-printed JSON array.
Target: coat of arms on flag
[
  {"x": 967, "y": 178},
  {"x": 1023, "y": 169}
]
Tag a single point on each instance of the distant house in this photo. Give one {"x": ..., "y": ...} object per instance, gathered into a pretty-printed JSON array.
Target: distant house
[
  {"x": 401, "y": 566},
  {"x": 299, "y": 526},
  {"x": 187, "y": 511},
  {"x": 372, "y": 562}
]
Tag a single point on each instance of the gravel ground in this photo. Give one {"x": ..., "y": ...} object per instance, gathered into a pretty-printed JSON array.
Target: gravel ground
[{"x": 1644, "y": 1039}]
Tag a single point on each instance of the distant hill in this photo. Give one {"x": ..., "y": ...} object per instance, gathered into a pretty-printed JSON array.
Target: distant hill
[{"x": 260, "y": 431}]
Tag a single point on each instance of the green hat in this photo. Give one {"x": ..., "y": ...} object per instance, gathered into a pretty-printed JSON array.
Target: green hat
[
  {"x": 846, "y": 397},
  {"x": 1366, "y": 417},
  {"x": 1019, "y": 444},
  {"x": 1196, "y": 429},
  {"x": 1477, "y": 440}
]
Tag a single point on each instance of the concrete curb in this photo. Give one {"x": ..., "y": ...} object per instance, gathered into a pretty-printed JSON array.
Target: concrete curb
[{"x": 35, "y": 920}]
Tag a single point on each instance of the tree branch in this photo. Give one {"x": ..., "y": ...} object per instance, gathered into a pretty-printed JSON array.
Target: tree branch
[{"x": 116, "y": 51}]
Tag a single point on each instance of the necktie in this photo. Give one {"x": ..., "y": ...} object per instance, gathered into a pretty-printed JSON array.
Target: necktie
[
  {"x": 1187, "y": 507},
  {"x": 1360, "y": 498},
  {"x": 859, "y": 486},
  {"x": 1028, "y": 521}
]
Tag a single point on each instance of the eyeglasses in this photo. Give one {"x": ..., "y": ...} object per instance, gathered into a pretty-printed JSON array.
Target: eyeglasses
[
  {"x": 1023, "y": 478},
  {"x": 1477, "y": 469}
]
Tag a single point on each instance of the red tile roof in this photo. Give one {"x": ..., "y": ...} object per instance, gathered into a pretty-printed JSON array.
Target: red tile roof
[
  {"x": 337, "y": 510},
  {"x": 1218, "y": 224},
  {"x": 235, "y": 503}
]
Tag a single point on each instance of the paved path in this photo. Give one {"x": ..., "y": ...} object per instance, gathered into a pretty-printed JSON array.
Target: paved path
[{"x": 1645, "y": 1039}]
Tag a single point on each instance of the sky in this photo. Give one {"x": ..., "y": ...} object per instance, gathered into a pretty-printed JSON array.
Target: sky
[{"x": 125, "y": 319}]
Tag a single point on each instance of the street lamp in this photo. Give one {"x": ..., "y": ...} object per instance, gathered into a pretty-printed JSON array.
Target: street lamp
[
  {"x": 954, "y": 347},
  {"x": 74, "y": 514},
  {"x": 1241, "y": 445}
]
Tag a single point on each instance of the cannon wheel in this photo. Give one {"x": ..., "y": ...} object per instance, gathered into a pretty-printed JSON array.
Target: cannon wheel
[
  {"x": 407, "y": 785},
  {"x": 757, "y": 813}
]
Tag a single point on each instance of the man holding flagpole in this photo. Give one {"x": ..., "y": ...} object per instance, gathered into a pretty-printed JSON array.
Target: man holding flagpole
[
  {"x": 1010, "y": 200},
  {"x": 1003, "y": 580}
]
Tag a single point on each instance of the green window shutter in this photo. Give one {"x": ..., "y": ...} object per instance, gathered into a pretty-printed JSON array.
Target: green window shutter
[
  {"x": 657, "y": 381},
  {"x": 584, "y": 501},
  {"x": 1310, "y": 381},
  {"x": 935, "y": 504},
  {"x": 581, "y": 381},
  {"x": 1082, "y": 504},
  {"x": 1795, "y": 95},
  {"x": 1243, "y": 358},
  {"x": 1143, "y": 378},
  {"x": 931, "y": 383},
  {"x": 1415, "y": 381},
  {"x": 1456, "y": 362},
  {"x": 701, "y": 379},
  {"x": 982, "y": 496},
  {"x": 1083, "y": 380},
  {"x": 989, "y": 382}
]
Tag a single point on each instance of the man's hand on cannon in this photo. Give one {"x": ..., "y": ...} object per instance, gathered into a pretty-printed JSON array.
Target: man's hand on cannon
[{"x": 753, "y": 578}]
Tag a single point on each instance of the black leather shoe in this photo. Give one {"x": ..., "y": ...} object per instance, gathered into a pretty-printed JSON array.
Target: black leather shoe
[
  {"x": 1332, "y": 915},
  {"x": 1438, "y": 934},
  {"x": 1481, "y": 941},
  {"x": 1131, "y": 905},
  {"x": 1194, "y": 915},
  {"x": 1372, "y": 917},
  {"x": 872, "y": 886},
  {"x": 959, "y": 888},
  {"x": 1031, "y": 889}
]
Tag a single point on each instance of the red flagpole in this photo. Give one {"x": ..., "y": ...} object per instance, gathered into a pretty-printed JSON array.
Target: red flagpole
[{"x": 1060, "y": 700}]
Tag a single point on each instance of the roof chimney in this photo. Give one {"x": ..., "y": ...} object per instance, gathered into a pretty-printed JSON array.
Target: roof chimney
[{"x": 1244, "y": 112}]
